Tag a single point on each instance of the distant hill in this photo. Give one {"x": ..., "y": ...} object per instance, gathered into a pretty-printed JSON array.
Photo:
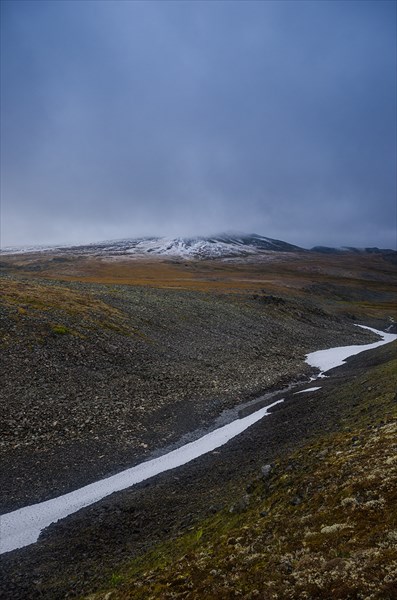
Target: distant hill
[
  {"x": 219, "y": 246},
  {"x": 330, "y": 250}
]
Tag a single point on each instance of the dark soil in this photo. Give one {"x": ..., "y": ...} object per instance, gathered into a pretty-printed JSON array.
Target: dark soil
[
  {"x": 97, "y": 378},
  {"x": 86, "y": 394},
  {"x": 81, "y": 552}
]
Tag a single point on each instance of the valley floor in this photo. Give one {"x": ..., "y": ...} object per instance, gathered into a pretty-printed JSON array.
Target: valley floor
[
  {"x": 328, "y": 452},
  {"x": 97, "y": 376}
]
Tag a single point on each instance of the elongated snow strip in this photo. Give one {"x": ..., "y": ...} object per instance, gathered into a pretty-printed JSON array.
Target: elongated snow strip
[
  {"x": 312, "y": 389},
  {"x": 335, "y": 357},
  {"x": 22, "y": 527}
]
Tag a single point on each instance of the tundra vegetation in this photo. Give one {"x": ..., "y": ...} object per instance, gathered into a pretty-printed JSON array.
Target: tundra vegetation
[
  {"x": 105, "y": 361},
  {"x": 321, "y": 524}
]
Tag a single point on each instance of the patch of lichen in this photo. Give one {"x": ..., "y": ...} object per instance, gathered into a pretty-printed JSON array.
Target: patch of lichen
[
  {"x": 26, "y": 295},
  {"x": 322, "y": 525},
  {"x": 28, "y": 302}
]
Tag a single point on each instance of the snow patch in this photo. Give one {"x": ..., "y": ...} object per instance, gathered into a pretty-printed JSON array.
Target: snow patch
[
  {"x": 22, "y": 527},
  {"x": 219, "y": 246},
  {"x": 312, "y": 389},
  {"x": 335, "y": 357}
]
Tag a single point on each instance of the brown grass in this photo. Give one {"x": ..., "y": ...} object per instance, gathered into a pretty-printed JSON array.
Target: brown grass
[
  {"x": 342, "y": 282},
  {"x": 285, "y": 270},
  {"x": 33, "y": 300},
  {"x": 32, "y": 295}
]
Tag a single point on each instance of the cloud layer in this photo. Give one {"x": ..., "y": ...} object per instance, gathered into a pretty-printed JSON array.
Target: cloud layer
[{"x": 122, "y": 119}]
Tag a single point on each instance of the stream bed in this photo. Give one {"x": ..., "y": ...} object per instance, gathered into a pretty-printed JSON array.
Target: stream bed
[{"x": 22, "y": 527}]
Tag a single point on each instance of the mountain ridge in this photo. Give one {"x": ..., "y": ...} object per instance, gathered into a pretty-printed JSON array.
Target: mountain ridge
[
  {"x": 222, "y": 245},
  {"x": 219, "y": 246}
]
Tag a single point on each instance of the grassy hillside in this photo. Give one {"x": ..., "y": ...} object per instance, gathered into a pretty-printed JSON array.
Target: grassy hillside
[
  {"x": 360, "y": 284},
  {"x": 322, "y": 524},
  {"x": 106, "y": 362}
]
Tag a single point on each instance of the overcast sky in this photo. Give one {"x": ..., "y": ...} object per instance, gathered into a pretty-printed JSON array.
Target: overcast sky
[{"x": 122, "y": 119}]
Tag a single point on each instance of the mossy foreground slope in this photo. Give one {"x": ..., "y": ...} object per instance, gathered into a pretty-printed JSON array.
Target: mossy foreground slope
[
  {"x": 106, "y": 363},
  {"x": 321, "y": 524}
]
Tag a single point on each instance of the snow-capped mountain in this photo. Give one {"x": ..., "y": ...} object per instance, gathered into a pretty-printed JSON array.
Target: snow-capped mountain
[{"x": 219, "y": 246}]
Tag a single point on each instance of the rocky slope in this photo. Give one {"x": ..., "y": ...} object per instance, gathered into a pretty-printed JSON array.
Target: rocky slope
[
  {"x": 107, "y": 374},
  {"x": 98, "y": 375},
  {"x": 320, "y": 522}
]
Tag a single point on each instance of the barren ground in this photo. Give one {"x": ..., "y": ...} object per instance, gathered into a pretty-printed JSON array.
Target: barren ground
[{"x": 105, "y": 362}]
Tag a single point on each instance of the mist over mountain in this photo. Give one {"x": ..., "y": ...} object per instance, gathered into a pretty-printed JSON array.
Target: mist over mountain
[{"x": 221, "y": 246}]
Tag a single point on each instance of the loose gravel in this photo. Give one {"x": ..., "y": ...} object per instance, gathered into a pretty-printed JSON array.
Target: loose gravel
[{"x": 84, "y": 396}]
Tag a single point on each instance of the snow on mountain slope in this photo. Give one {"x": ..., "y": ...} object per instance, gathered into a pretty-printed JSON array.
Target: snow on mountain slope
[
  {"x": 211, "y": 247},
  {"x": 220, "y": 246}
]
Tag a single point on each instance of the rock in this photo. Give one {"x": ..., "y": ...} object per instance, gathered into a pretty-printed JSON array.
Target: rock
[
  {"x": 323, "y": 453},
  {"x": 250, "y": 487},
  {"x": 241, "y": 505},
  {"x": 265, "y": 470},
  {"x": 214, "y": 509},
  {"x": 296, "y": 501}
]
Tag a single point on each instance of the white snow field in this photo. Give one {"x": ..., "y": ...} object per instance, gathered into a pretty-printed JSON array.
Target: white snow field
[{"x": 335, "y": 357}]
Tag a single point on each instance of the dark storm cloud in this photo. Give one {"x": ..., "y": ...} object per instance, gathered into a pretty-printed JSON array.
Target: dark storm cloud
[{"x": 128, "y": 118}]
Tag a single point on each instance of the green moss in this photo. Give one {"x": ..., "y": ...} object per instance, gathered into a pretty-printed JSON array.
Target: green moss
[
  {"x": 60, "y": 329},
  {"x": 115, "y": 580},
  {"x": 339, "y": 541}
]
